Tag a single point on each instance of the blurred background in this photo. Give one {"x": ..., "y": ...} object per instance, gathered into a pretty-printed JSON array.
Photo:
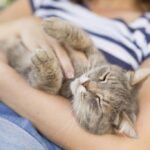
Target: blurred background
[{"x": 5, "y": 3}]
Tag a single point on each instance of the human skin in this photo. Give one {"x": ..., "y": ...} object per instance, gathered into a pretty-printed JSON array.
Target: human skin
[
  {"x": 30, "y": 31},
  {"x": 52, "y": 115},
  {"x": 19, "y": 9}
]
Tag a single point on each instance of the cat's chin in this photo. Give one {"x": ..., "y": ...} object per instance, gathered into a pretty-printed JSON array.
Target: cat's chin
[{"x": 77, "y": 87}]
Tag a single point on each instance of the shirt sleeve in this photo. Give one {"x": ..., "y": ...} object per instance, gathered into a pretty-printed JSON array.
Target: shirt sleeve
[
  {"x": 147, "y": 52},
  {"x": 146, "y": 37},
  {"x": 36, "y": 4},
  {"x": 41, "y": 8},
  {"x": 142, "y": 36},
  {"x": 146, "y": 48}
]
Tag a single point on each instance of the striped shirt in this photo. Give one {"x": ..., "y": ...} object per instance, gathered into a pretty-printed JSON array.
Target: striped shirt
[{"x": 126, "y": 45}]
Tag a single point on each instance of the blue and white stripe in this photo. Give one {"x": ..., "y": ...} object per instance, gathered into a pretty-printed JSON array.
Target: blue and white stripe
[{"x": 122, "y": 44}]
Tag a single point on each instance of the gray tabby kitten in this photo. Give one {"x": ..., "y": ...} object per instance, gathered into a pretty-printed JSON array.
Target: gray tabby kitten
[{"x": 104, "y": 96}]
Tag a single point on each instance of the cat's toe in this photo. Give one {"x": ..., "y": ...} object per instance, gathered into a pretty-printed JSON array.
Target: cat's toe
[
  {"x": 40, "y": 58},
  {"x": 35, "y": 61},
  {"x": 42, "y": 55}
]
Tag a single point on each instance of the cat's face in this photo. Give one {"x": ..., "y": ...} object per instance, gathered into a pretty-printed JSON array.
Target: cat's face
[{"x": 102, "y": 98}]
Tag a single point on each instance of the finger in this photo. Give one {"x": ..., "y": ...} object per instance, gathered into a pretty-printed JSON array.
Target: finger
[
  {"x": 63, "y": 58},
  {"x": 39, "y": 40},
  {"x": 34, "y": 39},
  {"x": 64, "y": 61}
]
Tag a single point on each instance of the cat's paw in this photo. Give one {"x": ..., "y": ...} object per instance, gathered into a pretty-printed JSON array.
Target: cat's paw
[
  {"x": 45, "y": 72},
  {"x": 40, "y": 57},
  {"x": 43, "y": 63},
  {"x": 55, "y": 27}
]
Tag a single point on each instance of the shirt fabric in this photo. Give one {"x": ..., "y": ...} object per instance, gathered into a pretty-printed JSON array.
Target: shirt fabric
[{"x": 126, "y": 45}]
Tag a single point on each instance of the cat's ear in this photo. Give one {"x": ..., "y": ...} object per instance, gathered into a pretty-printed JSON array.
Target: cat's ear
[
  {"x": 138, "y": 76},
  {"x": 125, "y": 126}
]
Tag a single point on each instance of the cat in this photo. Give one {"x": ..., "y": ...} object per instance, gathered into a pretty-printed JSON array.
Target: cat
[{"x": 104, "y": 96}]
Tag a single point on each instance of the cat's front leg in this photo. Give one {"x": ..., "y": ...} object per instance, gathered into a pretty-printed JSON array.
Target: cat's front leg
[{"x": 45, "y": 72}]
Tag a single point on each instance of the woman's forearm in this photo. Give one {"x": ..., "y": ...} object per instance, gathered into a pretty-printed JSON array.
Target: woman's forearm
[
  {"x": 50, "y": 114},
  {"x": 53, "y": 117}
]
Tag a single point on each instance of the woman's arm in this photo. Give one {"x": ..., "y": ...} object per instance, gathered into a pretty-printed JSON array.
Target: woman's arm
[
  {"x": 52, "y": 115},
  {"x": 19, "y": 9}
]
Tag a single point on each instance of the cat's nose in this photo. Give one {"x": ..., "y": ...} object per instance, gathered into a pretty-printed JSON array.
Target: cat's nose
[
  {"x": 86, "y": 84},
  {"x": 89, "y": 85}
]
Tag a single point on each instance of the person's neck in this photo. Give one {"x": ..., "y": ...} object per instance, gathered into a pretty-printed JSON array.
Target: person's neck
[
  {"x": 126, "y": 10},
  {"x": 111, "y": 5}
]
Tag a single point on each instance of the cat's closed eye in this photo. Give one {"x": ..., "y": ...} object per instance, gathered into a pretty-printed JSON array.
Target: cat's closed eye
[
  {"x": 100, "y": 101},
  {"x": 104, "y": 77}
]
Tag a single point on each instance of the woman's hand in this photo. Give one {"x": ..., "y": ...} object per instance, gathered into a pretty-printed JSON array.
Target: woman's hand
[{"x": 32, "y": 35}]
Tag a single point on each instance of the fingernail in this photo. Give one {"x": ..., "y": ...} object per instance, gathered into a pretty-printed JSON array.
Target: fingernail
[{"x": 70, "y": 75}]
